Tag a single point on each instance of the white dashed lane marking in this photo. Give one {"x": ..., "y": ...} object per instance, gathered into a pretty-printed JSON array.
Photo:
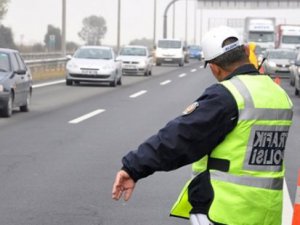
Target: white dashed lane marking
[
  {"x": 87, "y": 116},
  {"x": 137, "y": 94},
  {"x": 165, "y": 82},
  {"x": 48, "y": 83}
]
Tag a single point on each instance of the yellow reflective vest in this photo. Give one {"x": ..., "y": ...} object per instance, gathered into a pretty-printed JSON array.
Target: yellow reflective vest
[{"x": 250, "y": 192}]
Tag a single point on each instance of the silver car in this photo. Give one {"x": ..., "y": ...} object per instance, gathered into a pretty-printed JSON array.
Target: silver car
[
  {"x": 136, "y": 60},
  {"x": 94, "y": 64},
  {"x": 15, "y": 82},
  {"x": 278, "y": 62}
]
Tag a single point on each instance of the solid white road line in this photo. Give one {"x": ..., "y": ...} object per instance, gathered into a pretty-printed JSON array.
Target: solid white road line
[
  {"x": 182, "y": 75},
  {"x": 287, "y": 211},
  {"x": 193, "y": 70},
  {"x": 86, "y": 116},
  {"x": 48, "y": 83},
  {"x": 165, "y": 82},
  {"x": 135, "y": 95}
]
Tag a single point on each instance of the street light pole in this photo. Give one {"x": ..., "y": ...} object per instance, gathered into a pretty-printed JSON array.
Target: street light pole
[
  {"x": 174, "y": 11},
  {"x": 154, "y": 24},
  {"x": 186, "y": 21},
  {"x": 119, "y": 25},
  {"x": 165, "y": 28},
  {"x": 63, "y": 36}
]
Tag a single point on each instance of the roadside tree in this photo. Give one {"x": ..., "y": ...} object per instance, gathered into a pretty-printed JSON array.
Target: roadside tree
[
  {"x": 93, "y": 30},
  {"x": 3, "y": 8},
  {"x": 53, "y": 39}
]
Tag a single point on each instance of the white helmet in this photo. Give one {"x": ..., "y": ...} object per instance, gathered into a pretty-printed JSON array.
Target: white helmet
[{"x": 213, "y": 40}]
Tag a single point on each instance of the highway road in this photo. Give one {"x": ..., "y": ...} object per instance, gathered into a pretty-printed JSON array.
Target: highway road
[{"x": 58, "y": 162}]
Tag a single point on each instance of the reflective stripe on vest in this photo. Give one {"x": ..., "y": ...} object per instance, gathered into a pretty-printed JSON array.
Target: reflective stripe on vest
[
  {"x": 260, "y": 182},
  {"x": 253, "y": 113}
]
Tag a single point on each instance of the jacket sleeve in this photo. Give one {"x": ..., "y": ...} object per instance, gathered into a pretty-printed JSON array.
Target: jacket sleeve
[{"x": 187, "y": 138}]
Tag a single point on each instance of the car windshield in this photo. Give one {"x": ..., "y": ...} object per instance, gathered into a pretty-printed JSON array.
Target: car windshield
[
  {"x": 261, "y": 37},
  {"x": 133, "y": 51},
  {"x": 93, "y": 53},
  {"x": 169, "y": 44},
  {"x": 282, "y": 55},
  {"x": 195, "y": 48},
  {"x": 291, "y": 39},
  {"x": 4, "y": 62}
]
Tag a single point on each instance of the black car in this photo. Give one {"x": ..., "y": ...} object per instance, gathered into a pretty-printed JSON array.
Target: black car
[{"x": 15, "y": 82}]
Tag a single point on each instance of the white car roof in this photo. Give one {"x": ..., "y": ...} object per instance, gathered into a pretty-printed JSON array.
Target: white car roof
[{"x": 95, "y": 46}]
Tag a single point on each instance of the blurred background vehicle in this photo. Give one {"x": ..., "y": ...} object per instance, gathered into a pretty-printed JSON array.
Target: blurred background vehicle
[
  {"x": 170, "y": 51},
  {"x": 261, "y": 31},
  {"x": 136, "y": 60},
  {"x": 278, "y": 61},
  {"x": 15, "y": 82},
  {"x": 294, "y": 67},
  {"x": 195, "y": 52},
  {"x": 287, "y": 36},
  {"x": 94, "y": 64},
  {"x": 295, "y": 75}
]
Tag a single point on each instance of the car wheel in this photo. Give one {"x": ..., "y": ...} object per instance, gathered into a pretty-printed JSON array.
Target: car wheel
[
  {"x": 292, "y": 82},
  {"x": 296, "y": 91},
  {"x": 150, "y": 72},
  {"x": 25, "y": 108},
  {"x": 120, "y": 81},
  {"x": 69, "y": 82},
  {"x": 113, "y": 83},
  {"x": 181, "y": 64},
  {"x": 7, "y": 109}
]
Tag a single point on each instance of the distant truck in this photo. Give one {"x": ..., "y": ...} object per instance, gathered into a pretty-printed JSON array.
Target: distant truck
[
  {"x": 261, "y": 31},
  {"x": 170, "y": 51},
  {"x": 287, "y": 36}
]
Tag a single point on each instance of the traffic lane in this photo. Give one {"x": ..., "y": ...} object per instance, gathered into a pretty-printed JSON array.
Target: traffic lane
[
  {"x": 54, "y": 94},
  {"x": 292, "y": 155},
  {"x": 58, "y": 173}
]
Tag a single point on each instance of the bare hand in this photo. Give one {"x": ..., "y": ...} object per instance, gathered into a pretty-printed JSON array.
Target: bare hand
[{"x": 123, "y": 184}]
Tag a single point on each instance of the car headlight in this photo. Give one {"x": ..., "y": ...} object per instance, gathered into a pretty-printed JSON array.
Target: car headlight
[
  {"x": 108, "y": 67},
  {"x": 71, "y": 66},
  {"x": 142, "y": 63},
  {"x": 272, "y": 64},
  {"x": 1, "y": 88}
]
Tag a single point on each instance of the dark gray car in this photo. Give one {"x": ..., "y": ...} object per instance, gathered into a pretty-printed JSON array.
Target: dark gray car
[{"x": 15, "y": 82}]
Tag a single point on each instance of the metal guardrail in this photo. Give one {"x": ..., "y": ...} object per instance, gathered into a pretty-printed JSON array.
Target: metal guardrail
[{"x": 47, "y": 68}]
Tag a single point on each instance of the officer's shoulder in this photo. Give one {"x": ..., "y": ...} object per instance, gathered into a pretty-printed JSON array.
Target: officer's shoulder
[{"x": 217, "y": 89}]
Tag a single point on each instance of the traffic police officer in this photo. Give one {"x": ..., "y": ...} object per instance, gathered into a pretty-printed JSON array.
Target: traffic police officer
[{"x": 235, "y": 134}]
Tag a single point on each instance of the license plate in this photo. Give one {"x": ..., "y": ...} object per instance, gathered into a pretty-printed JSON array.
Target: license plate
[
  {"x": 129, "y": 66},
  {"x": 167, "y": 59},
  {"x": 89, "y": 72}
]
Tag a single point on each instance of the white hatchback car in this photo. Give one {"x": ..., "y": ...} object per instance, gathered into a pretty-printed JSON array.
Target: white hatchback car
[
  {"x": 94, "y": 64},
  {"x": 136, "y": 60}
]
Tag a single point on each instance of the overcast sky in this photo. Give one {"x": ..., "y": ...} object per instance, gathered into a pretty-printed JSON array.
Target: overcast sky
[{"x": 28, "y": 19}]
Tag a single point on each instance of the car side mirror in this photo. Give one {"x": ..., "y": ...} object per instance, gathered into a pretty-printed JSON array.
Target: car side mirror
[
  {"x": 69, "y": 57},
  {"x": 20, "y": 72}
]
